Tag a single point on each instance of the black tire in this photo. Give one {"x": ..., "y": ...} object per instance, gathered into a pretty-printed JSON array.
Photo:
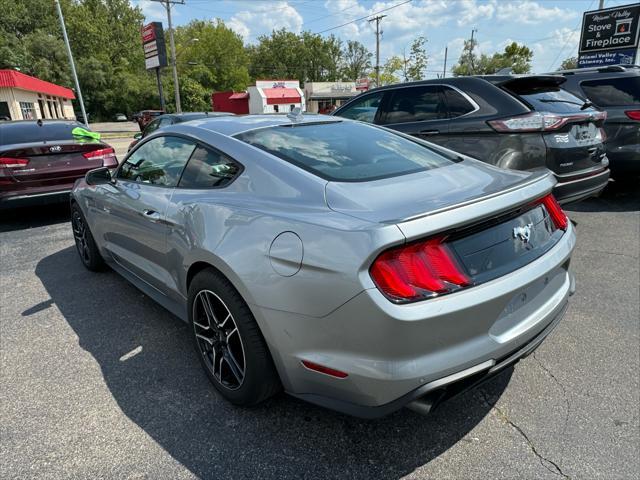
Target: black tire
[
  {"x": 85, "y": 244},
  {"x": 259, "y": 379}
]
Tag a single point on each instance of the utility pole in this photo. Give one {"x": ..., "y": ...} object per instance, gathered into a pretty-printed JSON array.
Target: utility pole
[
  {"x": 73, "y": 65},
  {"x": 378, "y": 33},
  {"x": 473, "y": 68},
  {"x": 167, "y": 4},
  {"x": 601, "y": 5},
  {"x": 444, "y": 69}
]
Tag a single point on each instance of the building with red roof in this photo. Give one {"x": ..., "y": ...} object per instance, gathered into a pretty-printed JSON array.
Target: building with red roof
[{"x": 23, "y": 97}]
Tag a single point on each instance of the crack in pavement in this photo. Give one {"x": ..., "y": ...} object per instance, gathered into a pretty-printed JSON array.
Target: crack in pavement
[
  {"x": 550, "y": 465},
  {"x": 564, "y": 391}
]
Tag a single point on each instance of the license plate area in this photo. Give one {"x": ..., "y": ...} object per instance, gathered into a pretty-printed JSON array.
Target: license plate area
[{"x": 507, "y": 246}]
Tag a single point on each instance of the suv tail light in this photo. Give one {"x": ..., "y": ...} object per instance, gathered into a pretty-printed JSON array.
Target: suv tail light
[
  {"x": 107, "y": 155},
  {"x": 633, "y": 114},
  {"x": 555, "y": 211},
  {"x": 418, "y": 270},
  {"x": 542, "y": 122},
  {"x": 8, "y": 162}
]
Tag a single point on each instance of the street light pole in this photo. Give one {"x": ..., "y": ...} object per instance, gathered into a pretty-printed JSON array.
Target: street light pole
[{"x": 73, "y": 66}]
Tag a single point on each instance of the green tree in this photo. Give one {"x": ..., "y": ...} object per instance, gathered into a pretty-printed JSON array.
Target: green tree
[
  {"x": 515, "y": 57},
  {"x": 468, "y": 59},
  {"x": 218, "y": 53},
  {"x": 356, "y": 61},
  {"x": 390, "y": 70},
  {"x": 105, "y": 40},
  {"x": 569, "y": 63},
  {"x": 417, "y": 61}
]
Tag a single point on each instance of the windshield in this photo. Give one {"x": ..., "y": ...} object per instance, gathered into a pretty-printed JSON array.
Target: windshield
[
  {"x": 28, "y": 132},
  {"x": 552, "y": 99},
  {"x": 346, "y": 151}
]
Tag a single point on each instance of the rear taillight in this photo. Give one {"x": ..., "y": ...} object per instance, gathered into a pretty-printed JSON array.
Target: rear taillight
[
  {"x": 633, "y": 114},
  {"x": 418, "y": 270},
  {"x": 555, "y": 211},
  {"x": 542, "y": 122},
  {"x": 107, "y": 155},
  {"x": 8, "y": 162}
]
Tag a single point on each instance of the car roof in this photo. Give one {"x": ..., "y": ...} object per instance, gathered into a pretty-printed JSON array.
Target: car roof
[
  {"x": 234, "y": 124},
  {"x": 609, "y": 69}
]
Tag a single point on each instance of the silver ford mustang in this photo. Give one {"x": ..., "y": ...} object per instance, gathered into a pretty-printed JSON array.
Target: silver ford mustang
[{"x": 352, "y": 266}]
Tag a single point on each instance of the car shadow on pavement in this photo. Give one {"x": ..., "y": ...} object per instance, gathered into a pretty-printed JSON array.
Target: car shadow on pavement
[
  {"x": 622, "y": 195},
  {"x": 31, "y": 217},
  {"x": 152, "y": 371}
]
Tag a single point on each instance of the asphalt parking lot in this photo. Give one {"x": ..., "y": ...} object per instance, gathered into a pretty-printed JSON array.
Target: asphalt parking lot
[{"x": 97, "y": 381}]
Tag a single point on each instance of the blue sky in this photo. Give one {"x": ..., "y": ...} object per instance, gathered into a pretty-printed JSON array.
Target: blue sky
[{"x": 550, "y": 28}]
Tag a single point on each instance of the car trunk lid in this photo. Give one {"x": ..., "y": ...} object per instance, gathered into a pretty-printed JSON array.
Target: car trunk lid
[
  {"x": 50, "y": 163},
  {"x": 401, "y": 198}
]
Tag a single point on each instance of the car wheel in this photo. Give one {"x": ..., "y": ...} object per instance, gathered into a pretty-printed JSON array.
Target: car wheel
[
  {"x": 86, "y": 246},
  {"x": 228, "y": 341}
]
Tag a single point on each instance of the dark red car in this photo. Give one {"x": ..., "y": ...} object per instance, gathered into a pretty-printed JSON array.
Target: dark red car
[{"x": 41, "y": 160}]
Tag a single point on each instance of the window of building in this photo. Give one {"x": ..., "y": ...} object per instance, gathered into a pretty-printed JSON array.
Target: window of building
[
  {"x": 41, "y": 105},
  {"x": 28, "y": 110}
]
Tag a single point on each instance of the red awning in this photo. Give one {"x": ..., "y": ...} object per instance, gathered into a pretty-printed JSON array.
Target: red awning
[
  {"x": 239, "y": 96},
  {"x": 14, "y": 79},
  {"x": 281, "y": 95}
]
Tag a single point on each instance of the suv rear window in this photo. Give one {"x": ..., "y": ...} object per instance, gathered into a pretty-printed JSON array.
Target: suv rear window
[
  {"x": 612, "y": 92},
  {"x": 549, "y": 98},
  {"x": 27, "y": 132},
  {"x": 346, "y": 151}
]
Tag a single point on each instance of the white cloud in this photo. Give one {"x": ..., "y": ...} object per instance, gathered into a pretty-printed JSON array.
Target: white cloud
[
  {"x": 262, "y": 20},
  {"x": 528, "y": 12},
  {"x": 154, "y": 11}
]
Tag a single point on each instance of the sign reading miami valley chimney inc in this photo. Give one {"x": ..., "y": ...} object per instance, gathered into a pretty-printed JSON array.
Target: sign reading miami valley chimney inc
[{"x": 610, "y": 36}]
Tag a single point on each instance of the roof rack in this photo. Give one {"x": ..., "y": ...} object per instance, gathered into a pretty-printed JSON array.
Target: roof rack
[{"x": 605, "y": 69}]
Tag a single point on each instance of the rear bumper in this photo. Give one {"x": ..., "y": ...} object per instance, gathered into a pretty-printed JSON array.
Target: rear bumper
[
  {"x": 569, "y": 190},
  {"x": 394, "y": 354},
  {"x": 34, "y": 199}
]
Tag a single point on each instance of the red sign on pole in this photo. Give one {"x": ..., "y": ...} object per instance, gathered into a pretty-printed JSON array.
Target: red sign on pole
[{"x": 362, "y": 84}]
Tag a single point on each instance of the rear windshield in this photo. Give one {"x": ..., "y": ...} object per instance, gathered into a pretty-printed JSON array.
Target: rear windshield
[
  {"x": 612, "y": 92},
  {"x": 28, "y": 132},
  {"x": 345, "y": 151},
  {"x": 547, "y": 98}
]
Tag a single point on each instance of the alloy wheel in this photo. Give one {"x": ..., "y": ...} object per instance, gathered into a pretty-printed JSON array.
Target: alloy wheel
[
  {"x": 219, "y": 340},
  {"x": 80, "y": 234}
]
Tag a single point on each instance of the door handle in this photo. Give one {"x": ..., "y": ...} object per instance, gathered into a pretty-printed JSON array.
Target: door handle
[
  {"x": 429, "y": 132},
  {"x": 151, "y": 215}
]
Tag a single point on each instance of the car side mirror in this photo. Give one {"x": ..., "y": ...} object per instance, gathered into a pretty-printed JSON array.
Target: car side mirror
[
  {"x": 98, "y": 176},
  {"x": 138, "y": 136}
]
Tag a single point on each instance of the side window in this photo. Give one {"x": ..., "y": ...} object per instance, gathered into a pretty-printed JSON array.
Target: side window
[
  {"x": 160, "y": 161},
  {"x": 152, "y": 127},
  {"x": 611, "y": 92},
  {"x": 364, "y": 109},
  {"x": 457, "y": 104},
  {"x": 416, "y": 104},
  {"x": 208, "y": 169}
]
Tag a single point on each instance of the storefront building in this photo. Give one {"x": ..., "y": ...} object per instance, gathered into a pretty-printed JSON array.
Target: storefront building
[
  {"x": 23, "y": 97},
  {"x": 324, "y": 97},
  {"x": 275, "y": 96}
]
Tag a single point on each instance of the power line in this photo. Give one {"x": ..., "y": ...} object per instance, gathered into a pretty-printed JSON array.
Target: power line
[
  {"x": 365, "y": 17},
  {"x": 568, "y": 38}
]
